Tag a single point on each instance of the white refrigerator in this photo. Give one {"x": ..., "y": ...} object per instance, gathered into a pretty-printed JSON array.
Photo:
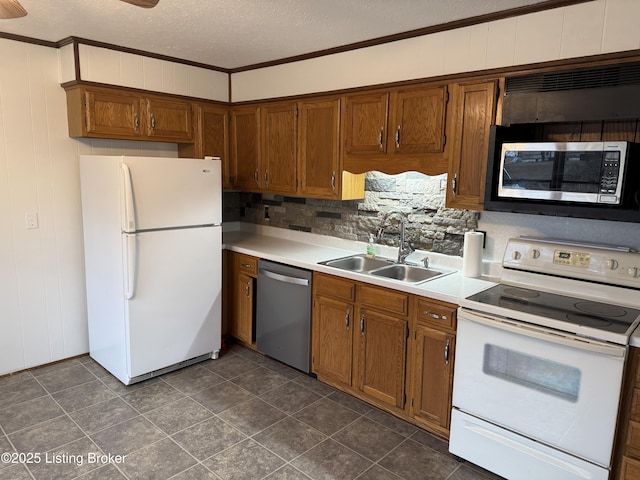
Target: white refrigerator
[{"x": 153, "y": 262}]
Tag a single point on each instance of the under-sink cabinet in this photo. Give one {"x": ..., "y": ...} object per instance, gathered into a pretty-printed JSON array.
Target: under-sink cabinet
[
  {"x": 241, "y": 272},
  {"x": 359, "y": 338},
  {"x": 392, "y": 349}
]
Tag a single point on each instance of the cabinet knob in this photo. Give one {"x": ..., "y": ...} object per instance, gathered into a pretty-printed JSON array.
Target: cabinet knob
[
  {"x": 247, "y": 289},
  {"x": 346, "y": 318},
  {"x": 380, "y": 138},
  {"x": 333, "y": 181},
  {"x": 153, "y": 122},
  {"x": 398, "y": 137},
  {"x": 255, "y": 177}
]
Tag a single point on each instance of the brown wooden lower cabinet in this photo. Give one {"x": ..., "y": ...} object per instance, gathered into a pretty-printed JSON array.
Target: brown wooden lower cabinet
[
  {"x": 241, "y": 277},
  {"x": 386, "y": 347}
]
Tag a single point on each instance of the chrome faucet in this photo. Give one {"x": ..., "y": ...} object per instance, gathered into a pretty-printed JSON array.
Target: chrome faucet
[{"x": 405, "y": 248}]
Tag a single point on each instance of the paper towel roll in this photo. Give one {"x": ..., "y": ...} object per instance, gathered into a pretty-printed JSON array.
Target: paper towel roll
[{"x": 472, "y": 254}]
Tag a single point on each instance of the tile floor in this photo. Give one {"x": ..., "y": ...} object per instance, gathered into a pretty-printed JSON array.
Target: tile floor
[{"x": 240, "y": 417}]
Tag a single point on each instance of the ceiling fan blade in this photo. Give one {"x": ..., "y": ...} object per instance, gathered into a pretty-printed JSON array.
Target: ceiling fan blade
[
  {"x": 143, "y": 3},
  {"x": 11, "y": 9}
]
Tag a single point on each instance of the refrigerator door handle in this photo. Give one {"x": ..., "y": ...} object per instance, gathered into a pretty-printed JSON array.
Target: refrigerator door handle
[
  {"x": 129, "y": 217},
  {"x": 131, "y": 253}
]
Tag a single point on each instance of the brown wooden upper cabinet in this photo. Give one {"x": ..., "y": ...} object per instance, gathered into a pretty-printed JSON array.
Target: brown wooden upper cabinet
[
  {"x": 211, "y": 139},
  {"x": 278, "y": 133},
  {"x": 102, "y": 112},
  {"x": 291, "y": 148},
  {"x": 474, "y": 112},
  {"x": 395, "y": 131},
  {"x": 245, "y": 148}
]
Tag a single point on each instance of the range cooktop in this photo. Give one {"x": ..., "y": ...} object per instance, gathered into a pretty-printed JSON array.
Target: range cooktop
[{"x": 577, "y": 311}]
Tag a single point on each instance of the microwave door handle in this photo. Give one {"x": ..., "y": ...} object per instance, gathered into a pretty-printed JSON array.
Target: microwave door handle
[{"x": 543, "y": 334}]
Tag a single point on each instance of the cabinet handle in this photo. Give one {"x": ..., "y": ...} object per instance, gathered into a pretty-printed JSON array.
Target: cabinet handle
[
  {"x": 434, "y": 315},
  {"x": 346, "y": 319},
  {"x": 398, "y": 137},
  {"x": 246, "y": 289},
  {"x": 454, "y": 184},
  {"x": 153, "y": 122},
  {"x": 362, "y": 324},
  {"x": 380, "y": 137},
  {"x": 266, "y": 177},
  {"x": 333, "y": 181},
  {"x": 136, "y": 121},
  {"x": 446, "y": 352},
  {"x": 255, "y": 177},
  {"x": 245, "y": 265}
]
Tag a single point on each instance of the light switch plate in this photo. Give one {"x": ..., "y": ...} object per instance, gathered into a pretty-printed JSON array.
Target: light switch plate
[{"x": 32, "y": 220}]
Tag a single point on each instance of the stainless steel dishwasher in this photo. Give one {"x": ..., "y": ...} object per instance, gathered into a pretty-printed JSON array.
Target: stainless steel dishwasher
[{"x": 283, "y": 313}]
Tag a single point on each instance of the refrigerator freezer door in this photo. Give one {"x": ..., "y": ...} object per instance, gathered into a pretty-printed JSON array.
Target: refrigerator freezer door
[
  {"x": 174, "y": 313},
  {"x": 170, "y": 192}
]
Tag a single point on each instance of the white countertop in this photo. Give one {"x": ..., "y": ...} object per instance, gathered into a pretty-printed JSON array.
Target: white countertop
[{"x": 305, "y": 250}]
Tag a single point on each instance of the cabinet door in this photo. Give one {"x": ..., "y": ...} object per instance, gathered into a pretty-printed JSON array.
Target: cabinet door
[
  {"x": 318, "y": 148},
  {"x": 279, "y": 145},
  {"x": 475, "y": 110},
  {"x": 365, "y": 123},
  {"x": 245, "y": 148},
  {"x": 112, "y": 115},
  {"x": 332, "y": 351},
  {"x": 433, "y": 376},
  {"x": 418, "y": 121},
  {"x": 211, "y": 138},
  {"x": 242, "y": 322},
  {"x": 382, "y": 346},
  {"x": 169, "y": 120}
]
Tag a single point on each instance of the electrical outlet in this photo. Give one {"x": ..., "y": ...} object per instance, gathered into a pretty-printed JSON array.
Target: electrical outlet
[
  {"x": 266, "y": 212},
  {"x": 31, "y": 220}
]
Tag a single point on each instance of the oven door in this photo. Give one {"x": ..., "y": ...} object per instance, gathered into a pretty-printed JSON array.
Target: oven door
[{"x": 560, "y": 390}]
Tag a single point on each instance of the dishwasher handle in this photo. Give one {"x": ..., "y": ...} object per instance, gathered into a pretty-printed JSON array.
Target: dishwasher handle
[{"x": 284, "y": 278}]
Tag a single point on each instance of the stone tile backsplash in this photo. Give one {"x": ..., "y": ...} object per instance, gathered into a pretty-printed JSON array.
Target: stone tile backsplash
[{"x": 413, "y": 197}]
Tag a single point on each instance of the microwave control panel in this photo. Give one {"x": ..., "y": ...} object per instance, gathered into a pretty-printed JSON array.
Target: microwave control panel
[
  {"x": 609, "y": 176},
  {"x": 612, "y": 266}
]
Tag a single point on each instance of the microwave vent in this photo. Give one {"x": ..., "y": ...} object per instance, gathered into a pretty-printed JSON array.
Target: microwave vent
[
  {"x": 601, "y": 77},
  {"x": 609, "y": 92}
]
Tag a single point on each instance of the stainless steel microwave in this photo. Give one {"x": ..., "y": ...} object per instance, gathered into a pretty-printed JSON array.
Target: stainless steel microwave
[{"x": 584, "y": 172}]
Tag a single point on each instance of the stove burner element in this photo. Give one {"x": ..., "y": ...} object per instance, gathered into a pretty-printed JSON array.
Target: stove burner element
[
  {"x": 601, "y": 309},
  {"x": 520, "y": 292},
  {"x": 588, "y": 320}
]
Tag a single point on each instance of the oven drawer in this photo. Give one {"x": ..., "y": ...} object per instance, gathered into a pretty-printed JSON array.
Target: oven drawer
[{"x": 513, "y": 456}]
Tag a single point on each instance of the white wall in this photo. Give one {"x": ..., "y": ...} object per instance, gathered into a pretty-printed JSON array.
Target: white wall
[
  {"x": 135, "y": 71},
  {"x": 42, "y": 296},
  {"x": 591, "y": 28}
]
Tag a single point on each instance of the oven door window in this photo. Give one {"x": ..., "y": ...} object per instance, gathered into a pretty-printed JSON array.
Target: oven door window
[{"x": 544, "y": 375}]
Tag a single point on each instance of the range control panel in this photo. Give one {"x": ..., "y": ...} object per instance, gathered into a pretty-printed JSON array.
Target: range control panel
[{"x": 610, "y": 265}]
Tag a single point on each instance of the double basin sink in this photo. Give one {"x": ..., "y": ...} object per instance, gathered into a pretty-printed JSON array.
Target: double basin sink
[{"x": 382, "y": 267}]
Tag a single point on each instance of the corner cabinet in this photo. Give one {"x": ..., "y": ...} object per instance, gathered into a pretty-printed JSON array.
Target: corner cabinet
[
  {"x": 245, "y": 148},
  {"x": 102, "y": 112},
  {"x": 211, "y": 125},
  {"x": 474, "y": 108}
]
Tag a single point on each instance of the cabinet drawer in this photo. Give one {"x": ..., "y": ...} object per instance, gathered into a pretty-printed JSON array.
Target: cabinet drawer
[
  {"x": 334, "y": 286},
  {"x": 245, "y": 264},
  {"x": 630, "y": 469},
  {"x": 385, "y": 299},
  {"x": 435, "y": 314}
]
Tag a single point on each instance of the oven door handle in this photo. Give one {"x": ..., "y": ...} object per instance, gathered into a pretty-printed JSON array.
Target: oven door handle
[{"x": 544, "y": 334}]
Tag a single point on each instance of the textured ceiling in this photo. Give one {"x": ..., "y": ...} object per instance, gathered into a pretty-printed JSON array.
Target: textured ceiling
[{"x": 236, "y": 33}]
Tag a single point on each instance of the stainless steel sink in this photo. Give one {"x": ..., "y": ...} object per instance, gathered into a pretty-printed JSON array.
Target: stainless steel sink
[
  {"x": 383, "y": 267},
  {"x": 407, "y": 273},
  {"x": 357, "y": 263}
]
